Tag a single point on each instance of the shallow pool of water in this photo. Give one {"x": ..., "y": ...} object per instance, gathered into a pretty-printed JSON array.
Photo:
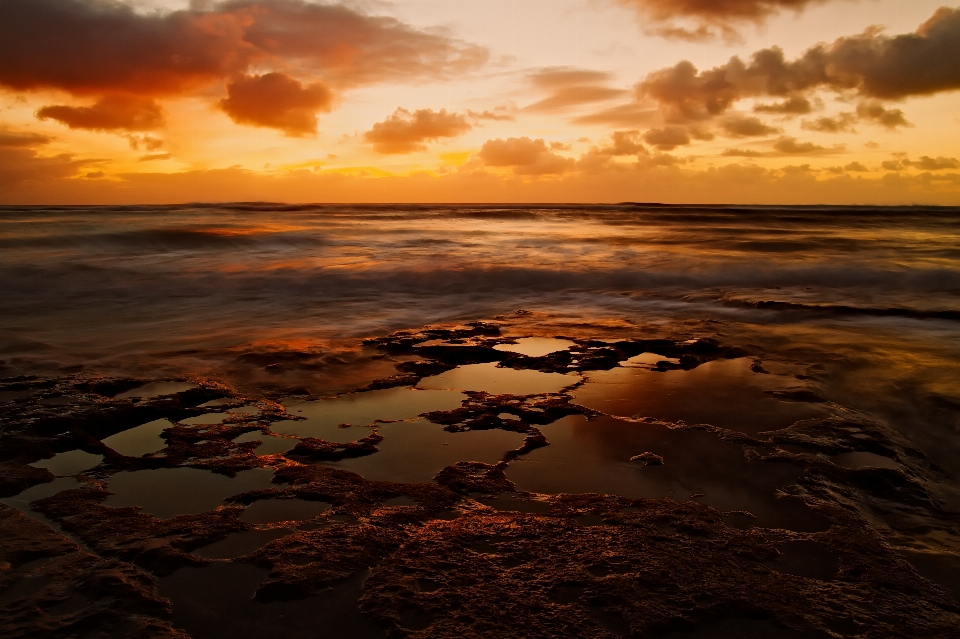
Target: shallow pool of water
[
  {"x": 594, "y": 457},
  {"x": 269, "y": 444},
  {"x": 157, "y": 389},
  {"x": 323, "y": 417},
  {"x": 71, "y": 462},
  {"x": 536, "y": 346},
  {"x": 417, "y": 451},
  {"x": 725, "y": 393},
  {"x": 499, "y": 381},
  {"x": 140, "y": 440},
  {"x": 242, "y": 543},
  {"x": 206, "y": 418},
  {"x": 216, "y": 602},
  {"x": 271, "y": 511},
  {"x": 167, "y": 492}
]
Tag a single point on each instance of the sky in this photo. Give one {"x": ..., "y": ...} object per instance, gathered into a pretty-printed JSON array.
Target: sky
[{"x": 678, "y": 101}]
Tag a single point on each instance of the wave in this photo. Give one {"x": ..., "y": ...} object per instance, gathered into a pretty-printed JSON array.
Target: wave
[{"x": 843, "y": 310}]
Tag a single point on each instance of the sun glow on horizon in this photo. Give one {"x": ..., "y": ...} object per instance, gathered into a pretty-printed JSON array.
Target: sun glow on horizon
[{"x": 841, "y": 101}]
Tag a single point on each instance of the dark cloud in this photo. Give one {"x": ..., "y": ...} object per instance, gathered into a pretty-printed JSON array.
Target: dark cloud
[
  {"x": 871, "y": 112},
  {"x": 879, "y": 114},
  {"x": 709, "y": 18},
  {"x": 102, "y": 46},
  {"x": 790, "y": 146},
  {"x": 872, "y": 65},
  {"x": 667, "y": 138},
  {"x": 856, "y": 167},
  {"x": 525, "y": 156},
  {"x": 927, "y": 163},
  {"x": 740, "y": 126},
  {"x": 150, "y": 157},
  {"x": 840, "y": 123},
  {"x": 22, "y": 138},
  {"x": 795, "y": 105},
  {"x": 111, "y": 113},
  {"x": 406, "y": 132},
  {"x": 21, "y": 163},
  {"x": 276, "y": 101}
]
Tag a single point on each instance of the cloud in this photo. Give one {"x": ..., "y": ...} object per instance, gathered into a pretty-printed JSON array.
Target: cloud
[
  {"x": 276, "y": 101},
  {"x": 709, "y": 18},
  {"x": 406, "y": 132},
  {"x": 856, "y": 167},
  {"x": 568, "y": 86},
  {"x": 667, "y": 138},
  {"x": 151, "y": 157},
  {"x": 148, "y": 143},
  {"x": 879, "y": 114},
  {"x": 739, "y": 126},
  {"x": 525, "y": 156},
  {"x": 19, "y": 163},
  {"x": 925, "y": 163},
  {"x": 111, "y": 113},
  {"x": 624, "y": 143},
  {"x": 627, "y": 115},
  {"x": 500, "y": 114},
  {"x": 871, "y": 112},
  {"x": 791, "y": 146},
  {"x": 96, "y": 47},
  {"x": 742, "y": 153},
  {"x": 795, "y": 105},
  {"x": 871, "y": 65},
  {"x": 22, "y": 138},
  {"x": 840, "y": 123}
]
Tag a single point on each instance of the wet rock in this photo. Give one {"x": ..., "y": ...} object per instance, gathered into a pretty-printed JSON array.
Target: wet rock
[
  {"x": 757, "y": 367},
  {"x": 513, "y": 574},
  {"x": 16, "y": 477},
  {"x": 798, "y": 395},
  {"x": 534, "y": 440},
  {"x": 647, "y": 459},
  {"x": 466, "y": 477},
  {"x": 51, "y": 588},
  {"x": 314, "y": 449},
  {"x": 483, "y": 411}
]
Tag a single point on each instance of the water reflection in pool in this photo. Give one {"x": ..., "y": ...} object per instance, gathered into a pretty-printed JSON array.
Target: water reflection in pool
[
  {"x": 141, "y": 440},
  {"x": 323, "y": 417},
  {"x": 71, "y": 462},
  {"x": 498, "y": 381},
  {"x": 588, "y": 457},
  {"x": 167, "y": 492},
  {"x": 725, "y": 393},
  {"x": 417, "y": 451},
  {"x": 536, "y": 346}
]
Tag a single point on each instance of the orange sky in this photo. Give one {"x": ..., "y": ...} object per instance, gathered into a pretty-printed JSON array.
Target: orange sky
[{"x": 753, "y": 101}]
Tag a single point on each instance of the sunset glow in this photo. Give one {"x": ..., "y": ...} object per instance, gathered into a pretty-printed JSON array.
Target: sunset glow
[{"x": 742, "y": 101}]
